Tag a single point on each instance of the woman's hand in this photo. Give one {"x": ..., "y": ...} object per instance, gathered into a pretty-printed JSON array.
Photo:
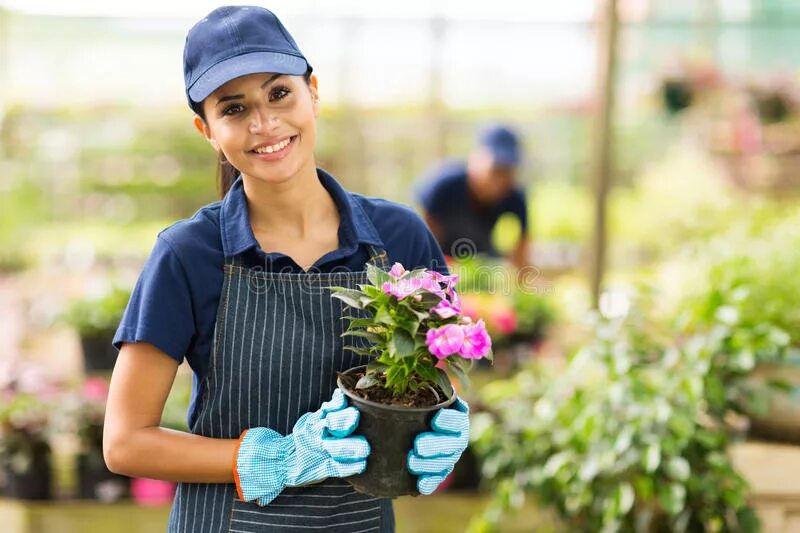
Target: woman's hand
[
  {"x": 319, "y": 447},
  {"x": 436, "y": 452}
]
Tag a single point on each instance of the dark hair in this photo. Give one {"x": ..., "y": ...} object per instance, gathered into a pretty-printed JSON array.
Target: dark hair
[{"x": 227, "y": 173}]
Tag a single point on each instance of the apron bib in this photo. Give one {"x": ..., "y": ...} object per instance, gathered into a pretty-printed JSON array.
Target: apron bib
[{"x": 276, "y": 350}]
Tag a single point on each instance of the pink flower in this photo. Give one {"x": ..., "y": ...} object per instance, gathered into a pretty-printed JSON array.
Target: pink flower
[
  {"x": 397, "y": 270},
  {"x": 477, "y": 342},
  {"x": 95, "y": 389},
  {"x": 401, "y": 288},
  {"x": 430, "y": 284},
  {"x": 445, "y": 309},
  {"x": 504, "y": 320},
  {"x": 445, "y": 340}
]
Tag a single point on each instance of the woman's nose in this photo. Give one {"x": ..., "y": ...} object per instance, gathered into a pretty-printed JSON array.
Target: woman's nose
[{"x": 263, "y": 121}]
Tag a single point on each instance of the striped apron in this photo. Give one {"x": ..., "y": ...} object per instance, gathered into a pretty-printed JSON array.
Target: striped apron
[{"x": 276, "y": 350}]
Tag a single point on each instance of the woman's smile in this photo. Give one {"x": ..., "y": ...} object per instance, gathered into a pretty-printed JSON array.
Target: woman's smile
[{"x": 273, "y": 152}]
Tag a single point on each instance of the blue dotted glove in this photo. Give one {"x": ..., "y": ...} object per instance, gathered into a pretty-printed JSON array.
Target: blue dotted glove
[
  {"x": 317, "y": 448},
  {"x": 436, "y": 453}
]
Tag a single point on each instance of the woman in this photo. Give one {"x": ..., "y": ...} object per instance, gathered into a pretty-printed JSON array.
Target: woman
[{"x": 239, "y": 290}]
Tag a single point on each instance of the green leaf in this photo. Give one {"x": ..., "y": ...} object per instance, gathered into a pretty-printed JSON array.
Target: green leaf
[
  {"x": 376, "y": 276},
  {"x": 360, "y": 351},
  {"x": 672, "y": 497},
  {"x": 428, "y": 372},
  {"x": 372, "y": 337},
  {"x": 678, "y": 468},
  {"x": 367, "y": 381},
  {"x": 403, "y": 343},
  {"x": 383, "y": 316},
  {"x": 376, "y": 367},
  {"x": 350, "y": 297},
  {"x": 444, "y": 382}
]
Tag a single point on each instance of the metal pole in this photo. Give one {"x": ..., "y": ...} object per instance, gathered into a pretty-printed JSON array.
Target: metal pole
[{"x": 602, "y": 141}]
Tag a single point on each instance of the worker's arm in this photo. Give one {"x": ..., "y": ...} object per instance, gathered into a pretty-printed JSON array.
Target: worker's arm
[
  {"x": 520, "y": 255},
  {"x": 133, "y": 442},
  {"x": 435, "y": 227}
]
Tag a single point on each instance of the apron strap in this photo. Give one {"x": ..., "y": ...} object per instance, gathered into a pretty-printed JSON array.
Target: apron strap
[{"x": 378, "y": 257}]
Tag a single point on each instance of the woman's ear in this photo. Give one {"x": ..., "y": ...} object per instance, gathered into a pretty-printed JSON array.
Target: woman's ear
[
  {"x": 205, "y": 131},
  {"x": 312, "y": 87}
]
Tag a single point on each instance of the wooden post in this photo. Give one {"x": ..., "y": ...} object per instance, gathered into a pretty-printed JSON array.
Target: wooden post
[{"x": 602, "y": 139}]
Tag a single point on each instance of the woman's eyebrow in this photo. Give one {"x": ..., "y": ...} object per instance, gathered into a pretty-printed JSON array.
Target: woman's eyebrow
[{"x": 236, "y": 96}]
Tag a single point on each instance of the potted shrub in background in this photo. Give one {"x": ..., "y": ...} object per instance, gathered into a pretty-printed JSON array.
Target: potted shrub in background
[
  {"x": 27, "y": 398},
  {"x": 411, "y": 327},
  {"x": 95, "y": 480},
  {"x": 630, "y": 435},
  {"x": 96, "y": 319}
]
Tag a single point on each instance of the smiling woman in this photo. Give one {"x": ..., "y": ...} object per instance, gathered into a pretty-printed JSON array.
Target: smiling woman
[{"x": 242, "y": 290}]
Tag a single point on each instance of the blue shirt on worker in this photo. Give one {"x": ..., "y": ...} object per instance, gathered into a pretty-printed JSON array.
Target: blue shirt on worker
[
  {"x": 466, "y": 225},
  {"x": 174, "y": 302}
]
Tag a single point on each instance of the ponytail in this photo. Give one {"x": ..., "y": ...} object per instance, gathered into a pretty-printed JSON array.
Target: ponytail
[{"x": 226, "y": 175}]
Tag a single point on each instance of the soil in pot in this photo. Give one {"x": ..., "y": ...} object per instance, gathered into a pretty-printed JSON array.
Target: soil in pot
[{"x": 390, "y": 429}]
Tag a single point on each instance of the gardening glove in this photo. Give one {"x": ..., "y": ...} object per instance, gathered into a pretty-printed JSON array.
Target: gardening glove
[
  {"x": 435, "y": 453},
  {"x": 318, "y": 448}
]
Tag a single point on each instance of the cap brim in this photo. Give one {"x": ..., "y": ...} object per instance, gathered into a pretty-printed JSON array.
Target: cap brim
[
  {"x": 505, "y": 157},
  {"x": 242, "y": 65}
]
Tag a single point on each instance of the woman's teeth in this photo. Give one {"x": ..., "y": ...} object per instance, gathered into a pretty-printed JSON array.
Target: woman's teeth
[{"x": 274, "y": 148}]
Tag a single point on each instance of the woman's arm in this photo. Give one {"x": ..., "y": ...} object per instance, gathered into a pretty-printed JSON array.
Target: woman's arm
[{"x": 134, "y": 444}]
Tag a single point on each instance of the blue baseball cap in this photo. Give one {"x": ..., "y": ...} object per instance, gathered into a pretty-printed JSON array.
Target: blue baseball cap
[
  {"x": 234, "y": 41},
  {"x": 502, "y": 143}
]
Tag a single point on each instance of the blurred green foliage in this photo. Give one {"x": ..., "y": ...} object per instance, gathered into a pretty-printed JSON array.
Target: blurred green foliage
[
  {"x": 632, "y": 434},
  {"x": 95, "y": 316}
]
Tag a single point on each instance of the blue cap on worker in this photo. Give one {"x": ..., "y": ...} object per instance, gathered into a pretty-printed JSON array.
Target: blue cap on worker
[
  {"x": 502, "y": 143},
  {"x": 234, "y": 41}
]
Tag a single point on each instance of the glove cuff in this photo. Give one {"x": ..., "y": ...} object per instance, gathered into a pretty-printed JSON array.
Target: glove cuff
[
  {"x": 236, "y": 470},
  {"x": 260, "y": 463}
]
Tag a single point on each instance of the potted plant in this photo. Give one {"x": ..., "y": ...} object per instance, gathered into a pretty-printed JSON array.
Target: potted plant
[
  {"x": 96, "y": 319},
  {"x": 26, "y": 401},
  {"x": 411, "y": 327},
  {"x": 95, "y": 480}
]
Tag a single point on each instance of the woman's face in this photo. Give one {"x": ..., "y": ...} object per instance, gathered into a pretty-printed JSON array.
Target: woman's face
[{"x": 264, "y": 124}]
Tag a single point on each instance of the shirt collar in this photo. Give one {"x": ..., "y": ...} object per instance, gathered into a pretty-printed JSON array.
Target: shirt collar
[{"x": 355, "y": 227}]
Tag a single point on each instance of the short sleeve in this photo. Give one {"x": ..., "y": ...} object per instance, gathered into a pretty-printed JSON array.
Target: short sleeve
[
  {"x": 160, "y": 308},
  {"x": 435, "y": 192}
]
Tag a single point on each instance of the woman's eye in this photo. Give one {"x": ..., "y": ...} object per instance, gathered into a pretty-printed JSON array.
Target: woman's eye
[
  {"x": 231, "y": 109},
  {"x": 278, "y": 93}
]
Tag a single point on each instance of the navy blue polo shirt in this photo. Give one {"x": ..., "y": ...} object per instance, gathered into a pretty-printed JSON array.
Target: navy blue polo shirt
[
  {"x": 444, "y": 194},
  {"x": 174, "y": 302}
]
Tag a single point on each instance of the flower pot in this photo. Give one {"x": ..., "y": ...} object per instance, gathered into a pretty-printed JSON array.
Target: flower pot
[
  {"x": 676, "y": 94},
  {"x": 99, "y": 355},
  {"x": 34, "y": 482},
  {"x": 390, "y": 431},
  {"x": 97, "y": 482},
  {"x": 152, "y": 491}
]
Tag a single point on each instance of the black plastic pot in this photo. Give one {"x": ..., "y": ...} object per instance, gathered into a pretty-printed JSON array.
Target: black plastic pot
[
  {"x": 99, "y": 355},
  {"x": 390, "y": 431},
  {"x": 677, "y": 95},
  {"x": 34, "y": 483},
  {"x": 97, "y": 482}
]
